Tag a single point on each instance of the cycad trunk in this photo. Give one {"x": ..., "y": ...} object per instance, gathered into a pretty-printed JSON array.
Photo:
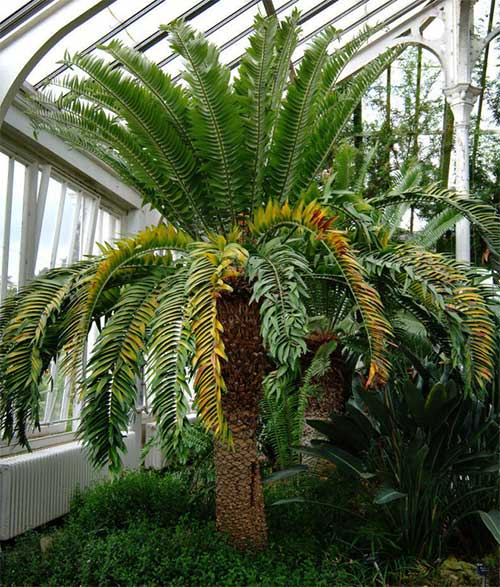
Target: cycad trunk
[
  {"x": 239, "y": 497},
  {"x": 332, "y": 397}
]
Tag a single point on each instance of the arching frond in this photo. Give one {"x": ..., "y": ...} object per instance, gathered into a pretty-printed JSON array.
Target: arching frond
[
  {"x": 444, "y": 286},
  {"x": 216, "y": 121},
  {"x": 296, "y": 117},
  {"x": 435, "y": 228},
  {"x": 336, "y": 109},
  {"x": 173, "y": 99},
  {"x": 212, "y": 263},
  {"x": 110, "y": 389},
  {"x": 145, "y": 116},
  {"x": 315, "y": 220},
  {"x": 27, "y": 346},
  {"x": 477, "y": 212},
  {"x": 277, "y": 275},
  {"x": 170, "y": 356},
  {"x": 254, "y": 90}
]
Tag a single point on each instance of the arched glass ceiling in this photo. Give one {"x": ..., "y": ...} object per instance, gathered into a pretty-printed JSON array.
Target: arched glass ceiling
[{"x": 227, "y": 23}]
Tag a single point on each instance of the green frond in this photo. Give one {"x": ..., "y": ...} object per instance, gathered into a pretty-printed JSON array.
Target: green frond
[
  {"x": 217, "y": 126},
  {"x": 254, "y": 90},
  {"x": 336, "y": 110},
  {"x": 92, "y": 130},
  {"x": 296, "y": 117},
  {"x": 435, "y": 228},
  {"x": 277, "y": 275},
  {"x": 27, "y": 346},
  {"x": 115, "y": 257},
  {"x": 172, "y": 98},
  {"x": 110, "y": 389},
  {"x": 145, "y": 117},
  {"x": 315, "y": 220},
  {"x": 444, "y": 287},
  {"x": 211, "y": 264},
  {"x": 170, "y": 355},
  {"x": 477, "y": 212}
]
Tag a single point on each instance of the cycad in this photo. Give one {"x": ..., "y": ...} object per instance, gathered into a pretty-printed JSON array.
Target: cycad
[{"x": 217, "y": 293}]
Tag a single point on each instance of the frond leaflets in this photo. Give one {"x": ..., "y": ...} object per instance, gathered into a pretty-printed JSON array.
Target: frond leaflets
[
  {"x": 253, "y": 89},
  {"x": 27, "y": 346},
  {"x": 110, "y": 389},
  {"x": 170, "y": 355},
  {"x": 477, "y": 212},
  {"x": 216, "y": 121},
  {"x": 212, "y": 264},
  {"x": 315, "y": 220},
  {"x": 336, "y": 109},
  {"x": 277, "y": 274},
  {"x": 444, "y": 286},
  {"x": 115, "y": 257},
  {"x": 145, "y": 117},
  {"x": 296, "y": 117}
]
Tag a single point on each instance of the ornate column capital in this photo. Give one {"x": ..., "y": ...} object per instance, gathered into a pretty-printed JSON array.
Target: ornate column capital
[{"x": 461, "y": 99}]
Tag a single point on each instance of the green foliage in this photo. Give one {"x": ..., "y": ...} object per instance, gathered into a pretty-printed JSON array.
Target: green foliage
[
  {"x": 283, "y": 409},
  {"x": 278, "y": 274},
  {"x": 425, "y": 446},
  {"x": 221, "y": 161}
]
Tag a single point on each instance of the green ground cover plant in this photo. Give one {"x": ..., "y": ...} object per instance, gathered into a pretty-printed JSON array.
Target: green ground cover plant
[{"x": 168, "y": 538}]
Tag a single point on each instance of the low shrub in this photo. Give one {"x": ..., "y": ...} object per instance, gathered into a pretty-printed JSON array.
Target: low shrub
[
  {"x": 147, "y": 530},
  {"x": 135, "y": 496}
]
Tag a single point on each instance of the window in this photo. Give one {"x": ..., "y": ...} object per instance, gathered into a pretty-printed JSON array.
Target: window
[{"x": 47, "y": 222}]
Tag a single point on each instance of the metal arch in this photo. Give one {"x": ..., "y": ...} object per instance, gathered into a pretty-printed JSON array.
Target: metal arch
[
  {"x": 21, "y": 15},
  {"x": 122, "y": 26},
  {"x": 24, "y": 47},
  {"x": 483, "y": 43}
]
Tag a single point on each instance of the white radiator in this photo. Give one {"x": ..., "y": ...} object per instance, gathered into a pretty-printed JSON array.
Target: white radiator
[{"x": 37, "y": 487}]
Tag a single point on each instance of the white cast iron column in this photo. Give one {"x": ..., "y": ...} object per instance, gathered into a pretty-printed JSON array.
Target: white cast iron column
[{"x": 461, "y": 99}]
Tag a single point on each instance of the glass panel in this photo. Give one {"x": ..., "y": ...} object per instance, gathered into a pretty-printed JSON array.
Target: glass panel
[
  {"x": 63, "y": 250},
  {"x": 48, "y": 226},
  {"x": 85, "y": 34},
  {"x": 8, "y": 7}
]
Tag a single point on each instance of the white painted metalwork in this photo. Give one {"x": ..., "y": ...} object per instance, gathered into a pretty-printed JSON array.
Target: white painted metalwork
[
  {"x": 40, "y": 210},
  {"x": 57, "y": 231},
  {"x": 6, "y": 229},
  {"x": 23, "y": 48},
  {"x": 88, "y": 245},
  {"x": 76, "y": 227},
  {"x": 26, "y": 263}
]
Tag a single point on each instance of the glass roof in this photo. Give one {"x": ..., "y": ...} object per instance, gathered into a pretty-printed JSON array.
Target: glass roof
[{"x": 227, "y": 23}]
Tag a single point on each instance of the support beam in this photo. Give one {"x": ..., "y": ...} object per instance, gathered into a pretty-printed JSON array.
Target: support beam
[
  {"x": 28, "y": 225},
  {"x": 7, "y": 221},
  {"x": 23, "y": 48}
]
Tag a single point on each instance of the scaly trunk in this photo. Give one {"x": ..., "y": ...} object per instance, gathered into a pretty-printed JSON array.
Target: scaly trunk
[
  {"x": 332, "y": 397},
  {"x": 239, "y": 497}
]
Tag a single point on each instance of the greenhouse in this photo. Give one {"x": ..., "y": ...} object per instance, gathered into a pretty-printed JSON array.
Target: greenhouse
[{"x": 250, "y": 293}]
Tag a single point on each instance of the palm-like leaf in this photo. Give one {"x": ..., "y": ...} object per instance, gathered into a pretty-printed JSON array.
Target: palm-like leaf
[
  {"x": 208, "y": 157},
  {"x": 216, "y": 120},
  {"x": 110, "y": 389}
]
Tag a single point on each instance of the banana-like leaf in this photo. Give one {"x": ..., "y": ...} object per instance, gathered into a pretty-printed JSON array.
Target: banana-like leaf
[
  {"x": 491, "y": 520},
  {"x": 387, "y": 495},
  {"x": 344, "y": 460}
]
